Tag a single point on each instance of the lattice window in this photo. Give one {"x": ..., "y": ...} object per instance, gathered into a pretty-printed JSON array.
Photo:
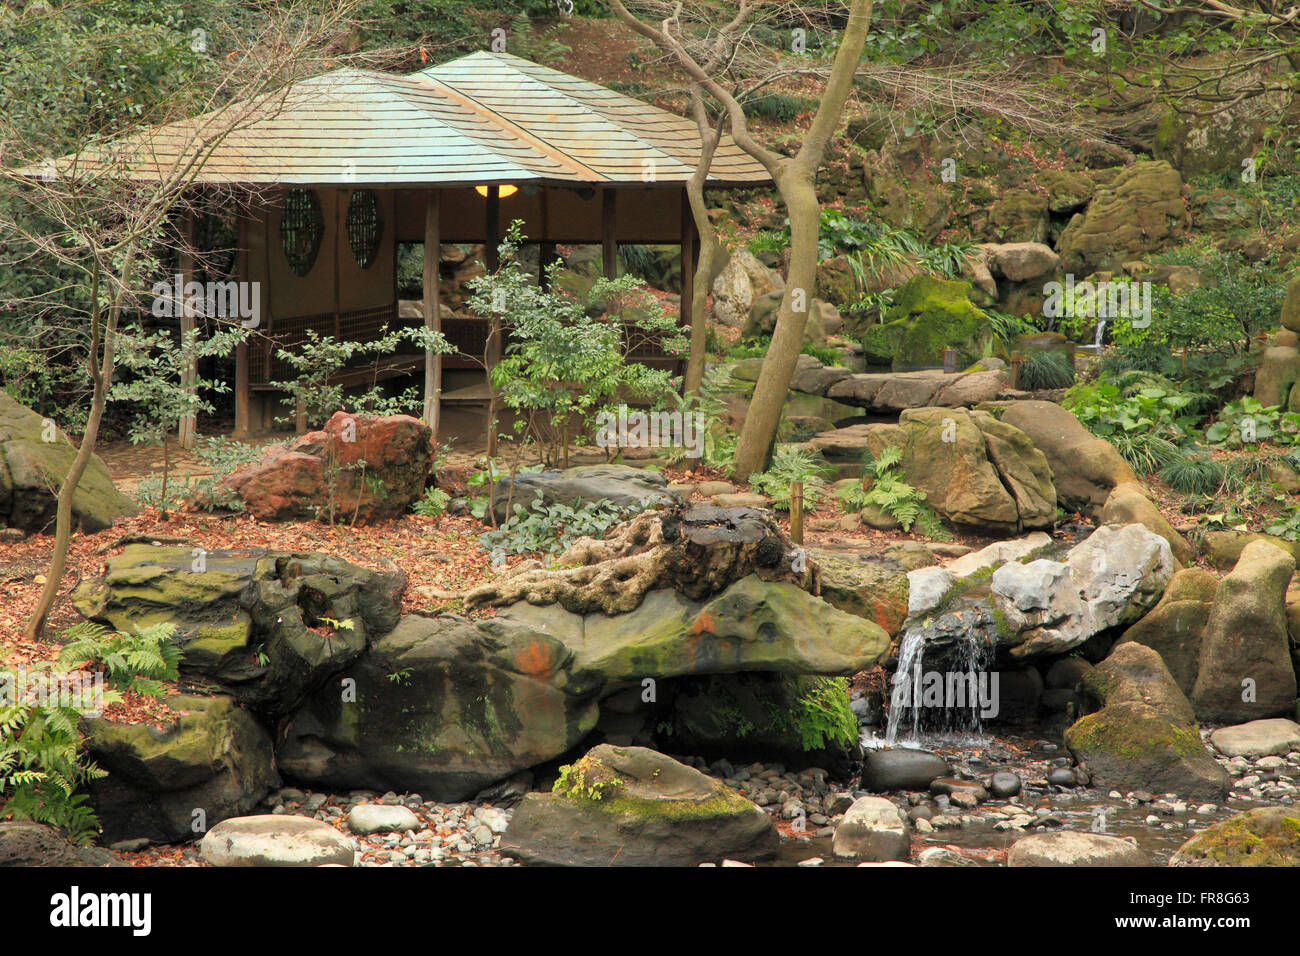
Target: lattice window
[
  {"x": 301, "y": 229},
  {"x": 365, "y": 226}
]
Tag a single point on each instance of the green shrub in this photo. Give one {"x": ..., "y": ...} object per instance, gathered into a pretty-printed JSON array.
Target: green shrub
[
  {"x": 891, "y": 493},
  {"x": 1041, "y": 368},
  {"x": 433, "y": 503},
  {"x": 554, "y": 528}
]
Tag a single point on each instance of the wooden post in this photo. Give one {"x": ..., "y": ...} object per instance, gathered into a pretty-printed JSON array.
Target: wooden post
[
  {"x": 796, "y": 512},
  {"x": 186, "y": 428},
  {"x": 242, "y": 390},
  {"x": 492, "y": 238},
  {"x": 432, "y": 310},
  {"x": 689, "y": 254},
  {"x": 1016, "y": 359},
  {"x": 609, "y": 232}
]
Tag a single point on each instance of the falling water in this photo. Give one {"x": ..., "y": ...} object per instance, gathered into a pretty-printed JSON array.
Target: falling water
[
  {"x": 1101, "y": 330},
  {"x": 967, "y": 662}
]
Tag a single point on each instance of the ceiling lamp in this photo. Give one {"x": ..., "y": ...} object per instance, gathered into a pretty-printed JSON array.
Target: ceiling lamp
[{"x": 503, "y": 191}]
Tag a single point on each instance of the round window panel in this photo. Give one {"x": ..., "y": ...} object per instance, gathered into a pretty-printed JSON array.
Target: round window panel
[
  {"x": 301, "y": 229},
  {"x": 365, "y": 226}
]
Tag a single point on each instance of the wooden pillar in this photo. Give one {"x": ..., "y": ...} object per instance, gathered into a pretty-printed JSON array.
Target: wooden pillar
[
  {"x": 690, "y": 251},
  {"x": 609, "y": 231},
  {"x": 492, "y": 238},
  {"x": 432, "y": 311},
  {"x": 545, "y": 247},
  {"x": 242, "y": 391},
  {"x": 186, "y": 428}
]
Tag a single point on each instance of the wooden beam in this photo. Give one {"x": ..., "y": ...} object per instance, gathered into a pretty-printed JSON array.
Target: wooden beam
[
  {"x": 242, "y": 391},
  {"x": 186, "y": 429},
  {"x": 491, "y": 258},
  {"x": 432, "y": 310},
  {"x": 609, "y": 231}
]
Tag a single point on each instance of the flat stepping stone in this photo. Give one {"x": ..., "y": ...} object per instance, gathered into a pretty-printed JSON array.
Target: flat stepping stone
[
  {"x": 276, "y": 840},
  {"x": 381, "y": 818},
  {"x": 1069, "y": 848},
  {"x": 1258, "y": 738}
]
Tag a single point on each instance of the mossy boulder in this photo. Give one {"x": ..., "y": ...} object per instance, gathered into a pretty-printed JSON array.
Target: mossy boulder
[
  {"x": 753, "y": 625},
  {"x": 1269, "y": 836},
  {"x": 34, "y": 458},
  {"x": 1245, "y": 670},
  {"x": 1019, "y": 215},
  {"x": 1141, "y": 209},
  {"x": 629, "y": 806},
  {"x": 863, "y": 585},
  {"x": 1279, "y": 370},
  {"x": 1291, "y": 305},
  {"x": 444, "y": 707},
  {"x": 1067, "y": 190},
  {"x": 928, "y": 316},
  {"x": 214, "y": 758},
  {"x": 267, "y": 627},
  {"x": 1173, "y": 628},
  {"x": 1132, "y": 746}
]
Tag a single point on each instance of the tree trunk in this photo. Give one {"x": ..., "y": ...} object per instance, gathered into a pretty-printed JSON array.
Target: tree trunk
[
  {"x": 764, "y": 415},
  {"x": 708, "y": 246}
]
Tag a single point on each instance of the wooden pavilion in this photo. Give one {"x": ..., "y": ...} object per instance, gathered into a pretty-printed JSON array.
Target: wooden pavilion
[{"x": 351, "y": 163}]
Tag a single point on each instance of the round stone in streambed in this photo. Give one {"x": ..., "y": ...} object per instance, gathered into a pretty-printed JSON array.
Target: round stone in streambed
[
  {"x": 377, "y": 818},
  {"x": 1005, "y": 784},
  {"x": 1063, "y": 777},
  {"x": 885, "y": 770},
  {"x": 276, "y": 840},
  {"x": 1070, "y": 848},
  {"x": 952, "y": 786},
  {"x": 873, "y": 829}
]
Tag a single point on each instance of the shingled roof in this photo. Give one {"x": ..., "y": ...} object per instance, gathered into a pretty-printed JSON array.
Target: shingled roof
[{"x": 482, "y": 118}]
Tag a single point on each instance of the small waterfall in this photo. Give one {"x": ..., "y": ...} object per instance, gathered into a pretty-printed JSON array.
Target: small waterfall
[
  {"x": 946, "y": 703},
  {"x": 1101, "y": 331}
]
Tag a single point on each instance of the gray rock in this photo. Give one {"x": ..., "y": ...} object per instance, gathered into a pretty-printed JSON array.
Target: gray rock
[
  {"x": 1069, "y": 848},
  {"x": 378, "y": 818},
  {"x": 620, "y": 485},
  {"x": 276, "y": 841},
  {"x": 901, "y": 769},
  {"x": 874, "y": 830},
  {"x": 1258, "y": 738}
]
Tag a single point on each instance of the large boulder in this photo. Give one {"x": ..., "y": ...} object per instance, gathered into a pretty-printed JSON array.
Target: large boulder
[
  {"x": 1279, "y": 370},
  {"x": 620, "y": 485},
  {"x": 977, "y": 471},
  {"x": 753, "y": 625},
  {"x": 629, "y": 806},
  {"x": 1144, "y": 735},
  {"x": 1129, "y": 504},
  {"x": 1269, "y": 836},
  {"x": 1085, "y": 469},
  {"x": 896, "y": 391},
  {"x": 1139, "y": 210},
  {"x": 873, "y": 830},
  {"x": 1174, "y": 627},
  {"x": 1070, "y": 848},
  {"x": 863, "y": 584},
  {"x": 1021, "y": 261},
  {"x": 34, "y": 458},
  {"x": 927, "y": 317},
  {"x": 276, "y": 840},
  {"x": 365, "y": 467},
  {"x": 267, "y": 627},
  {"x": 1109, "y": 579},
  {"x": 741, "y": 280},
  {"x": 1291, "y": 305},
  {"x": 1245, "y": 670},
  {"x": 444, "y": 707},
  {"x": 214, "y": 759}
]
